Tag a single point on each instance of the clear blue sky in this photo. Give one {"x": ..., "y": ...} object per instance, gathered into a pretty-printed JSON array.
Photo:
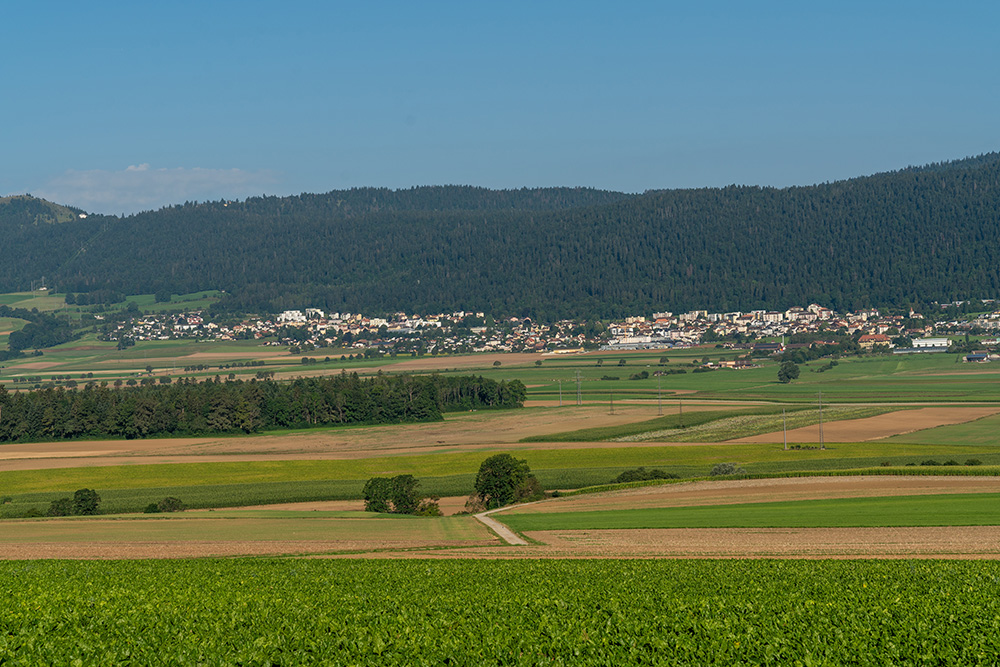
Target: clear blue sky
[{"x": 123, "y": 106}]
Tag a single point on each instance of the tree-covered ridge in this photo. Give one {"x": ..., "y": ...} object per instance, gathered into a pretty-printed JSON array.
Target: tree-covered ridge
[
  {"x": 244, "y": 407},
  {"x": 20, "y": 210},
  {"x": 892, "y": 239}
]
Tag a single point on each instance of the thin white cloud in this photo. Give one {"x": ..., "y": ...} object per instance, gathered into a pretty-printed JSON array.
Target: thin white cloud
[{"x": 141, "y": 187}]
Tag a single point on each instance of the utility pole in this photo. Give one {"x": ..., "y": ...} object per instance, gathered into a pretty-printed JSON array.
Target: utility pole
[
  {"x": 821, "y": 444},
  {"x": 784, "y": 429}
]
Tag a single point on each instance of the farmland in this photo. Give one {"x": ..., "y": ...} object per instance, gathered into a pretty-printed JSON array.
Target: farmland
[{"x": 584, "y": 612}]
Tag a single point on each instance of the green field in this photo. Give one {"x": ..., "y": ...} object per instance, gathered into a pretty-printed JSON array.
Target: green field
[
  {"x": 257, "y": 612},
  {"x": 974, "y": 509},
  {"x": 130, "y": 488},
  {"x": 879, "y": 378},
  {"x": 244, "y": 526},
  {"x": 983, "y": 432}
]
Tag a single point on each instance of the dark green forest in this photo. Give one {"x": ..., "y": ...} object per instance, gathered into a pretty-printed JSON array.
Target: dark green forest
[
  {"x": 235, "y": 406},
  {"x": 916, "y": 235}
]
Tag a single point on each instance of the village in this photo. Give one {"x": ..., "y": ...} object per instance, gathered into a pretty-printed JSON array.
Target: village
[{"x": 304, "y": 331}]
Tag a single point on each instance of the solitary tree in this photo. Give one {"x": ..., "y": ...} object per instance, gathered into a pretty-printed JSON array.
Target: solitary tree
[
  {"x": 503, "y": 480},
  {"x": 85, "y": 502},
  {"x": 788, "y": 371}
]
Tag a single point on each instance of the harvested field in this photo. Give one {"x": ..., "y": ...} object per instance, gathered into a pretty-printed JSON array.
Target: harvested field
[
  {"x": 459, "y": 432},
  {"x": 879, "y": 426},
  {"x": 200, "y": 534},
  {"x": 730, "y": 492},
  {"x": 978, "y": 542}
]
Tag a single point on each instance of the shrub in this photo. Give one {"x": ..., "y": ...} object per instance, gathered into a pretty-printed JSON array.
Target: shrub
[
  {"x": 61, "y": 507},
  {"x": 170, "y": 504},
  {"x": 973, "y": 462},
  {"x": 640, "y": 474},
  {"x": 727, "y": 469},
  {"x": 929, "y": 462},
  {"x": 86, "y": 502},
  {"x": 950, "y": 462},
  {"x": 151, "y": 508},
  {"x": 428, "y": 507}
]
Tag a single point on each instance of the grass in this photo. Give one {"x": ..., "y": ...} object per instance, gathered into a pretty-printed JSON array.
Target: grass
[
  {"x": 753, "y": 423},
  {"x": 130, "y": 488},
  {"x": 246, "y": 526},
  {"x": 973, "y": 509},
  {"x": 982, "y": 432}
]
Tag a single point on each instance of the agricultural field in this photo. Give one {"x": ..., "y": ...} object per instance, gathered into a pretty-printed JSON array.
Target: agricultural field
[{"x": 503, "y": 612}]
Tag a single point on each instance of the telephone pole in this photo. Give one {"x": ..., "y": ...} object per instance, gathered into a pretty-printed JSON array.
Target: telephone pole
[
  {"x": 784, "y": 429},
  {"x": 659, "y": 397},
  {"x": 821, "y": 444}
]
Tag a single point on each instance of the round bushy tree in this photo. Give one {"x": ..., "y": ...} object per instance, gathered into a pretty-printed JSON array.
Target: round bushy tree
[{"x": 503, "y": 480}]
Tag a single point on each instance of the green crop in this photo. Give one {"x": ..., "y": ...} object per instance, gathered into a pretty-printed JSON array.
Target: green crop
[{"x": 292, "y": 612}]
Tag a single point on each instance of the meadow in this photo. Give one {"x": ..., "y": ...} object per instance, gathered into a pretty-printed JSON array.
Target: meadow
[
  {"x": 230, "y": 612},
  {"x": 977, "y": 509}
]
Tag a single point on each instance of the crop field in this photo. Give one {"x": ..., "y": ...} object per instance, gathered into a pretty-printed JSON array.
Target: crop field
[
  {"x": 979, "y": 509},
  {"x": 234, "y": 533},
  {"x": 507, "y": 612}
]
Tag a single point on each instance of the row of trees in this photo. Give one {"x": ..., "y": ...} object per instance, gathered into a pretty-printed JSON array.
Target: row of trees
[{"x": 190, "y": 407}]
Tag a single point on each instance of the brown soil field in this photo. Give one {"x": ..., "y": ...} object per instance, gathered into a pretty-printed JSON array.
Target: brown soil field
[
  {"x": 459, "y": 432},
  {"x": 730, "y": 492},
  {"x": 964, "y": 542},
  {"x": 879, "y": 426},
  {"x": 194, "y": 534}
]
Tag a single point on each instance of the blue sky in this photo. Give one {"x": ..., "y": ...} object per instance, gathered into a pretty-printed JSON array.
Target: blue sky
[{"x": 118, "y": 107}]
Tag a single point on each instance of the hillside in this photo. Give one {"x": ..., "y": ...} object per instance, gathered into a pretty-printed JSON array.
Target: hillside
[
  {"x": 19, "y": 210},
  {"x": 910, "y": 236}
]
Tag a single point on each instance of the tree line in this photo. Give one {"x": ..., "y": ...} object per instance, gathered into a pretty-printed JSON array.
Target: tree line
[
  {"x": 236, "y": 406},
  {"x": 892, "y": 239}
]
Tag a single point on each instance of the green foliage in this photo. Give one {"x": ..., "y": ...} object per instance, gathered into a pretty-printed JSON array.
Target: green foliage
[
  {"x": 580, "y": 612},
  {"x": 394, "y": 495},
  {"x": 188, "y": 407},
  {"x": 86, "y": 502},
  {"x": 787, "y": 372},
  {"x": 640, "y": 474},
  {"x": 170, "y": 504},
  {"x": 720, "y": 469},
  {"x": 503, "y": 480},
  {"x": 60, "y": 507}
]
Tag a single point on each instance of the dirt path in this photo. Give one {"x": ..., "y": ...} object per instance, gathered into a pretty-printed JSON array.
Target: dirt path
[
  {"x": 505, "y": 533},
  {"x": 879, "y": 426}
]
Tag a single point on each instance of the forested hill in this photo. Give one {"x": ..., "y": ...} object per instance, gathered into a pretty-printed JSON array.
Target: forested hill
[{"x": 910, "y": 236}]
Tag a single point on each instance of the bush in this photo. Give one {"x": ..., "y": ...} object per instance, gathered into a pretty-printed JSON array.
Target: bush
[
  {"x": 428, "y": 507},
  {"x": 86, "y": 502},
  {"x": 727, "y": 469},
  {"x": 929, "y": 462},
  {"x": 393, "y": 495},
  {"x": 151, "y": 508},
  {"x": 61, "y": 507},
  {"x": 170, "y": 504},
  {"x": 640, "y": 474},
  {"x": 950, "y": 462},
  {"x": 973, "y": 462}
]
